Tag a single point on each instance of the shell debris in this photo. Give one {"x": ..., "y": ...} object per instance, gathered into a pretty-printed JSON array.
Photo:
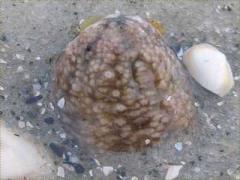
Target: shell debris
[{"x": 210, "y": 68}]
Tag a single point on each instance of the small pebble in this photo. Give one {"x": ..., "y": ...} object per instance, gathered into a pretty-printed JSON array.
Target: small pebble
[
  {"x": 97, "y": 162},
  {"x": 229, "y": 172},
  {"x": 219, "y": 126},
  {"x": 107, "y": 170},
  {"x": 61, "y": 103},
  {"x": 1, "y": 88},
  {"x": 58, "y": 150},
  {"x": 28, "y": 124},
  {"x": 180, "y": 53},
  {"x": 39, "y": 104},
  {"x": 220, "y": 103},
  {"x": 60, "y": 172},
  {"x": 178, "y": 146},
  {"x": 90, "y": 172},
  {"x": 51, "y": 106},
  {"x": 147, "y": 141},
  {"x": 79, "y": 169},
  {"x": 235, "y": 94},
  {"x": 21, "y": 124},
  {"x": 134, "y": 178},
  {"x": 183, "y": 163},
  {"x": 196, "y": 104},
  {"x": 42, "y": 110},
  {"x": 20, "y": 56},
  {"x": 62, "y": 135},
  {"x": 3, "y": 37},
  {"x": 2, "y": 61},
  {"x": 20, "y": 69},
  {"x": 38, "y": 58},
  {"x": 49, "y": 120},
  {"x": 33, "y": 99}
]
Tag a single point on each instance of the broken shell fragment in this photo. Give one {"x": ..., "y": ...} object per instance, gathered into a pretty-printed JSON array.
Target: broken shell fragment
[
  {"x": 210, "y": 68},
  {"x": 21, "y": 157}
]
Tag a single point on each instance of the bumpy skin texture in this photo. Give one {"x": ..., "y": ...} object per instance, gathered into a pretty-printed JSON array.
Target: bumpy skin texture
[{"x": 125, "y": 82}]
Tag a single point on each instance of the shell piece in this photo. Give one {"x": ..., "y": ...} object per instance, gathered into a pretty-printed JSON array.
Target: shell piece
[
  {"x": 210, "y": 68},
  {"x": 20, "y": 157},
  {"x": 173, "y": 172},
  {"x": 118, "y": 75}
]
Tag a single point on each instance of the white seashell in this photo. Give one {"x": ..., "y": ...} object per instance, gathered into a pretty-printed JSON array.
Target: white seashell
[
  {"x": 210, "y": 68},
  {"x": 173, "y": 172},
  {"x": 61, "y": 103},
  {"x": 21, "y": 157},
  {"x": 107, "y": 170}
]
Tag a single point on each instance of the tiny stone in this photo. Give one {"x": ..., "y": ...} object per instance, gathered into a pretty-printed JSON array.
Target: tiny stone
[
  {"x": 29, "y": 124},
  {"x": 3, "y": 37},
  {"x": 234, "y": 93},
  {"x": 20, "y": 69},
  {"x": 51, "y": 106},
  {"x": 200, "y": 158},
  {"x": 97, "y": 162},
  {"x": 180, "y": 53},
  {"x": 21, "y": 124},
  {"x": 196, "y": 104},
  {"x": 147, "y": 14},
  {"x": 62, "y": 135},
  {"x": 58, "y": 150},
  {"x": 229, "y": 172},
  {"x": 49, "y": 120},
  {"x": 147, "y": 141},
  {"x": 178, "y": 146},
  {"x": 42, "y": 111},
  {"x": 183, "y": 163},
  {"x": 134, "y": 178},
  {"x": 61, "y": 103},
  {"x": 79, "y": 169},
  {"x": 20, "y": 56},
  {"x": 90, "y": 172},
  {"x": 1, "y": 88},
  {"x": 39, "y": 104},
  {"x": 38, "y": 58},
  {"x": 107, "y": 170},
  {"x": 219, "y": 126},
  {"x": 2, "y": 61},
  {"x": 33, "y": 99},
  {"x": 220, "y": 103},
  {"x": 60, "y": 172}
]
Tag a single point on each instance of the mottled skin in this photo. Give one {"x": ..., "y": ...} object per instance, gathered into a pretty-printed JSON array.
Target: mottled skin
[{"x": 125, "y": 82}]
